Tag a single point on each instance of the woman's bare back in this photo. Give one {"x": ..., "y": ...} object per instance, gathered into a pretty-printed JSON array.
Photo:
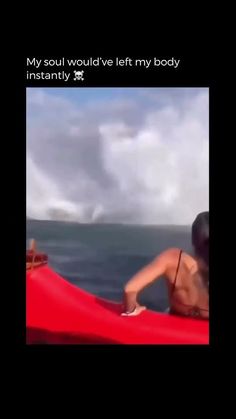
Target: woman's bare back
[{"x": 187, "y": 285}]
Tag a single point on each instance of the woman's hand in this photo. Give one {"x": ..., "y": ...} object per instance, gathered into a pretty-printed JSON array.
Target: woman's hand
[{"x": 138, "y": 309}]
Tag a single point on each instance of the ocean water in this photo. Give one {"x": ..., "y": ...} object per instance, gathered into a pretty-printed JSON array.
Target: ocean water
[{"x": 101, "y": 258}]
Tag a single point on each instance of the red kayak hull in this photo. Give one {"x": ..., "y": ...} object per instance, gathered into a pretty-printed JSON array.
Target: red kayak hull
[{"x": 58, "y": 312}]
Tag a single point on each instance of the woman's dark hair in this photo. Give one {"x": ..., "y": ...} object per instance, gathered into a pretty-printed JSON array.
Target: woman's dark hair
[{"x": 200, "y": 236}]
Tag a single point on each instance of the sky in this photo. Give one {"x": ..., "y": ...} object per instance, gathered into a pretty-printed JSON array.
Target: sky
[{"x": 118, "y": 155}]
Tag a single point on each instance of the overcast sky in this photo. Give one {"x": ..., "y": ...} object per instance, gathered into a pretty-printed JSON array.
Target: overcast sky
[{"x": 118, "y": 155}]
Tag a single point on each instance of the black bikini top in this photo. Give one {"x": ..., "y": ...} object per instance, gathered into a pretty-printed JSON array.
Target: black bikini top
[
  {"x": 177, "y": 271},
  {"x": 194, "y": 311}
]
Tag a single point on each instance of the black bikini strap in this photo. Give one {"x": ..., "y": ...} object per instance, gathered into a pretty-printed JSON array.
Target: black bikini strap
[{"x": 177, "y": 270}]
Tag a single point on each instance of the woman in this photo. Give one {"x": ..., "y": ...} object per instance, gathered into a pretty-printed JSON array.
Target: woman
[{"x": 187, "y": 276}]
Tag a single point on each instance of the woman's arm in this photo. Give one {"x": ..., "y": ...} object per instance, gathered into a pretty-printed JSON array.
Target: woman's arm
[{"x": 138, "y": 282}]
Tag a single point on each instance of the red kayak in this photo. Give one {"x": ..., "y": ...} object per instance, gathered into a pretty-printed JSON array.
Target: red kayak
[{"x": 58, "y": 312}]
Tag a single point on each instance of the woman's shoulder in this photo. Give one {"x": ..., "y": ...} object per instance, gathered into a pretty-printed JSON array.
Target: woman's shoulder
[{"x": 173, "y": 254}]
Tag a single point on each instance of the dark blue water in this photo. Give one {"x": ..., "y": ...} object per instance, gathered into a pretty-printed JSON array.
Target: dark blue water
[{"x": 101, "y": 258}]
